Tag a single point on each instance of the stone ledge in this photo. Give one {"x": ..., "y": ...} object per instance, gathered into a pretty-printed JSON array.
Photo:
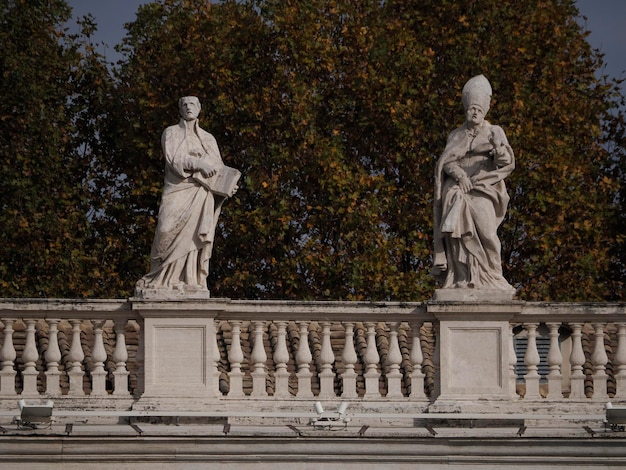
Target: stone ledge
[
  {"x": 174, "y": 293},
  {"x": 473, "y": 295}
]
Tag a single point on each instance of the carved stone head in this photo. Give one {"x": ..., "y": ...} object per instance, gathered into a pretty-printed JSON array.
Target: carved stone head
[
  {"x": 189, "y": 107},
  {"x": 477, "y": 91}
]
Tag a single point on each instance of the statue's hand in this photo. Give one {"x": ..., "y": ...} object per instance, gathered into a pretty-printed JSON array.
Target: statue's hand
[
  {"x": 465, "y": 184},
  {"x": 207, "y": 170},
  {"x": 500, "y": 153}
]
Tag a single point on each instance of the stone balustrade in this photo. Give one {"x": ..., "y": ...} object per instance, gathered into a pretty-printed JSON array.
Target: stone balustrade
[
  {"x": 66, "y": 349},
  {"x": 120, "y": 354},
  {"x": 351, "y": 351},
  {"x": 586, "y": 358}
]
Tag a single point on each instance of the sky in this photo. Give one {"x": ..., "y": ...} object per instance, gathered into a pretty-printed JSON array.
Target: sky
[{"x": 606, "y": 19}]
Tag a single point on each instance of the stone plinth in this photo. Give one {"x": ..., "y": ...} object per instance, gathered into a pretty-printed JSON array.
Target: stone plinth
[
  {"x": 474, "y": 295},
  {"x": 179, "y": 347},
  {"x": 175, "y": 293},
  {"x": 473, "y": 352}
]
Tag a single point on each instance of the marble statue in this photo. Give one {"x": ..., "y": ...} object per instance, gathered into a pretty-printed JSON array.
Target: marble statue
[
  {"x": 470, "y": 197},
  {"x": 196, "y": 185}
]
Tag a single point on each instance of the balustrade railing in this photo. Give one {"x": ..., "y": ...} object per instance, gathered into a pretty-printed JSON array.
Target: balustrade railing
[
  {"x": 300, "y": 351},
  {"x": 324, "y": 359},
  {"x": 58, "y": 349},
  {"x": 586, "y": 359}
]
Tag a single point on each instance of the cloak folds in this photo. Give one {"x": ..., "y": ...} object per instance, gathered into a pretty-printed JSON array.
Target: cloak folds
[
  {"x": 188, "y": 213},
  {"x": 466, "y": 244}
]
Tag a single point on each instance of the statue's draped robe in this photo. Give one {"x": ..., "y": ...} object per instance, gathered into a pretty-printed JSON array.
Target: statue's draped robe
[
  {"x": 188, "y": 213},
  {"x": 467, "y": 248}
]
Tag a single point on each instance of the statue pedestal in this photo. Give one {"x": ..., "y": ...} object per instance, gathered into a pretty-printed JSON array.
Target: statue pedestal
[
  {"x": 179, "y": 351},
  {"x": 174, "y": 293},
  {"x": 474, "y": 295},
  {"x": 473, "y": 351}
]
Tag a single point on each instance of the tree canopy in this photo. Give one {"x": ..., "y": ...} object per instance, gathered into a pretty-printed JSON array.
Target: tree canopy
[
  {"x": 336, "y": 112},
  {"x": 52, "y": 86}
]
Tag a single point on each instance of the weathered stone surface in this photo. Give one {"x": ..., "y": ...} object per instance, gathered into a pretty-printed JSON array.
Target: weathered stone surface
[
  {"x": 474, "y": 295},
  {"x": 600, "y": 327},
  {"x": 196, "y": 185},
  {"x": 470, "y": 197}
]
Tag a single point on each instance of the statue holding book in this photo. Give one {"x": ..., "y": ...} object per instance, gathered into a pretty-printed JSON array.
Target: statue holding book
[{"x": 196, "y": 185}]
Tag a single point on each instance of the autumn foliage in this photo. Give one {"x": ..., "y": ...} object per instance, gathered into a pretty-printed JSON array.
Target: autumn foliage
[{"x": 336, "y": 112}]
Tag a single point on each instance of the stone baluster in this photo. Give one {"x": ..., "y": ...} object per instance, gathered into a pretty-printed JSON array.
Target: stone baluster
[
  {"x": 555, "y": 360},
  {"x": 620, "y": 361},
  {"x": 392, "y": 363},
  {"x": 215, "y": 359},
  {"x": 577, "y": 360},
  {"x": 99, "y": 356},
  {"x": 349, "y": 357},
  {"x": 417, "y": 360},
  {"x": 235, "y": 358},
  {"x": 327, "y": 359},
  {"x": 372, "y": 359},
  {"x": 53, "y": 358},
  {"x": 258, "y": 359},
  {"x": 281, "y": 358},
  {"x": 303, "y": 360},
  {"x": 120, "y": 357},
  {"x": 76, "y": 357},
  {"x": 436, "y": 358},
  {"x": 7, "y": 360},
  {"x": 531, "y": 359},
  {"x": 30, "y": 355},
  {"x": 599, "y": 359},
  {"x": 512, "y": 364},
  {"x": 140, "y": 359}
]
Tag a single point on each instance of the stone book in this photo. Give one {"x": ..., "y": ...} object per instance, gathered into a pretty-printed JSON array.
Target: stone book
[{"x": 223, "y": 183}]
